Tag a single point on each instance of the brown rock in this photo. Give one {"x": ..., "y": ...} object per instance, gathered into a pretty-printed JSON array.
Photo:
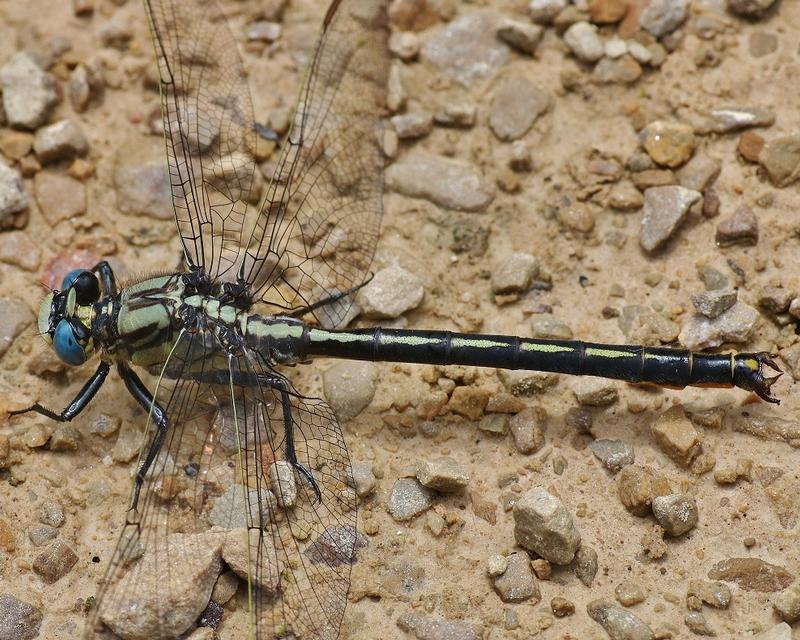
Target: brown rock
[
  {"x": 607, "y": 11},
  {"x": 469, "y": 402},
  {"x": 638, "y": 485},
  {"x": 677, "y": 436},
  {"x": 750, "y": 146},
  {"x": 59, "y": 197},
  {"x": 739, "y": 228},
  {"x": 412, "y": 15},
  {"x": 752, "y": 574}
]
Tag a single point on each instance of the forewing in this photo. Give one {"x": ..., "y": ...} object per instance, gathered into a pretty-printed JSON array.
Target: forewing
[
  {"x": 319, "y": 223},
  {"x": 208, "y": 128}
]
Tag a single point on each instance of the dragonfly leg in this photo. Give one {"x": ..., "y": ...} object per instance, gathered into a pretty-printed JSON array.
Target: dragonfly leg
[
  {"x": 79, "y": 402},
  {"x": 288, "y": 425},
  {"x": 299, "y": 313},
  {"x": 137, "y": 389},
  {"x": 107, "y": 279}
]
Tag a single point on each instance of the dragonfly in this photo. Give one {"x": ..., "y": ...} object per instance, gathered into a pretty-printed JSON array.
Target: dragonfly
[{"x": 238, "y": 469}]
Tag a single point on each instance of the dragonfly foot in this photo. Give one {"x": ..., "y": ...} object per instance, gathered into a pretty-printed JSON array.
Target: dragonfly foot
[{"x": 306, "y": 473}]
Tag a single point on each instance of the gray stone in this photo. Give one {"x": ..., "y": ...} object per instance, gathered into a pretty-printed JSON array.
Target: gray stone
[
  {"x": 661, "y": 17},
  {"x": 714, "y": 594},
  {"x": 60, "y": 197},
  {"x": 13, "y": 197},
  {"x": 55, "y": 562},
  {"x": 595, "y": 392},
  {"x": 544, "y": 11},
  {"x": 699, "y": 172},
  {"x": 515, "y": 273},
  {"x": 283, "y": 483},
  {"x": 618, "y": 623},
  {"x": 408, "y": 499},
  {"x": 543, "y": 525},
  {"x": 425, "y": 627},
  {"x": 639, "y": 52},
  {"x": 741, "y": 227},
  {"x": 51, "y": 513},
  {"x": 496, "y": 566},
  {"x": 15, "y": 317},
  {"x": 586, "y": 565},
  {"x": 65, "y": 438},
  {"x": 456, "y": 114},
  {"x": 676, "y": 513},
  {"x": 516, "y": 103},
  {"x": 80, "y": 88},
  {"x": 413, "y": 125},
  {"x": 41, "y": 535},
  {"x": 29, "y": 93},
  {"x": 615, "y": 48},
  {"x": 141, "y": 180},
  {"x": 449, "y": 183},
  {"x": 264, "y": 31},
  {"x": 750, "y": 8},
  {"x": 391, "y": 292},
  {"x": 696, "y": 622},
  {"x": 336, "y": 546},
  {"x": 229, "y": 509},
  {"x": 734, "y": 325},
  {"x": 18, "y": 619},
  {"x": 61, "y": 140},
  {"x": 780, "y": 158},
  {"x": 664, "y": 209},
  {"x": 523, "y": 36},
  {"x": 583, "y": 41},
  {"x": 781, "y": 631},
  {"x": 527, "y": 429},
  {"x": 624, "y": 70},
  {"x": 714, "y": 303},
  {"x": 787, "y": 604},
  {"x": 727, "y": 119},
  {"x": 517, "y": 583},
  {"x": 444, "y": 475},
  {"x": 239, "y": 547},
  {"x": 614, "y": 454},
  {"x": 466, "y": 49},
  {"x": 349, "y": 387},
  {"x": 363, "y": 479},
  {"x": 544, "y": 326}
]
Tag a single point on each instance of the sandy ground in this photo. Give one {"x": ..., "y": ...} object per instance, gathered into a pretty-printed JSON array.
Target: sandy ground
[{"x": 407, "y": 567}]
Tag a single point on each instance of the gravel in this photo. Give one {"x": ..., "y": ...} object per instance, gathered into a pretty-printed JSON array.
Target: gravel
[
  {"x": 618, "y": 623},
  {"x": 19, "y": 620},
  {"x": 59, "y": 141},
  {"x": 515, "y": 274},
  {"x": 428, "y": 627},
  {"x": 55, "y": 562},
  {"x": 443, "y": 475},
  {"x": 29, "y": 92},
  {"x": 583, "y": 41},
  {"x": 516, "y": 103},
  {"x": 662, "y": 17},
  {"x": 517, "y": 583},
  {"x": 349, "y": 387},
  {"x": 15, "y": 317},
  {"x": 391, "y": 292},
  {"x": 13, "y": 197},
  {"x": 527, "y": 430},
  {"x": 664, "y": 210},
  {"x": 676, "y": 513},
  {"x": 408, "y": 499},
  {"x": 614, "y": 454},
  {"x": 543, "y": 525}
]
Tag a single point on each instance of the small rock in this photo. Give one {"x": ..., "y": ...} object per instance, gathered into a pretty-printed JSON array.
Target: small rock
[
  {"x": 775, "y": 300},
  {"x": 283, "y": 483},
  {"x": 640, "y": 53},
  {"x": 677, "y": 436},
  {"x": 752, "y": 574},
  {"x": 41, "y": 535},
  {"x": 29, "y": 93},
  {"x": 715, "y": 594},
  {"x": 727, "y": 119},
  {"x": 576, "y": 217},
  {"x": 669, "y": 144},
  {"x": 644, "y": 180},
  {"x": 542, "y": 524},
  {"x": 546, "y": 327},
  {"x": 516, "y": 103},
  {"x": 456, "y": 114},
  {"x": 18, "y": 619},
  {"x": 59, "y": 197},
  {"x": 425, "y": 627},
  {"x": 607, "y": 11},
  {"x": 739, "y": 228},
  {"x": 410, "y": 15},
  {"x": 408, "y": 499},
  {"x": 614, "y": 454},
  {"x": 750, "y": 8},
  {"x": 264, "y": 31},
  {"x": 618, "y": 623},
  {"x": 615, "y": 48},
  {"x": 15, "y": 317},
  {"x": 469, "y": 401},
  {"x": 515, "y": 274},
  {"x": 413, "y": 125},
  {"x": 17, "y": 248},
  {"x": 595, "y": 392},
  {"x": 625, "y": 197},
  {"x": 542, "y": 568},
  {"x": 780, "y": 631},
  {"x": 363, "y": 479},
  {"x": 230, "y": 508},
  {"x": 714, "y": 303},
  {"x": 517, "y": 583},
  {"x": 15, "y": 145},
  {"x": 623, "y": 70},
  {"x": 780, "y": 158},
  {"x": 116, "y": 32},
  {"x": 544, "y": 11},
  {"x": 734, "y": 325},
  {"x": 527, "y": 429},
  {"x": 523, "y": 36},
  {"x": 496, "y": 566},
  {"x": 13, "y": 197},
  {"x": 561, "y": 607},
  {"x": 628, "y": 593},
  {"x": 762, "y": 44},
  {"x": 676, "y": 513},
  {"x": 444, "y": 475},
  {"x": 699, "y": 173},
  {"x": 349, "y": 387},
  {"x": 65, "y": 438},
  {"x": 787, "y": 604},
  {"x": 638, "y": 485},
  {"x": 405, "y": 45},
  {"x": 583, "y": 41},
  {"x": 662, "y": 17},
  {"x": 586, "y": 565},
  {"x": 696, "y": 622},
  {"x": 495, "y": 424},
  {"x": 449, "y": 183},
  {"x": 664, "y": 209},
  {"x": 55, "y": 561},
  {"x": 336, "y": 546},
  {"x": 64, "y": 139},
  {"x": 141, "y": 184}
]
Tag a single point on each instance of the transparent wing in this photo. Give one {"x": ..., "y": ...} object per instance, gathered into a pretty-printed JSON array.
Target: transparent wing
[
  {"x": 318, "y": 227},
  {"x": 208, "y": 128},
  {"x": 221, "y": 499}
]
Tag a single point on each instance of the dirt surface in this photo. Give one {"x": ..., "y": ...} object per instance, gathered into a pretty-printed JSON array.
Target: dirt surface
[{"x": 593, "y": 266}]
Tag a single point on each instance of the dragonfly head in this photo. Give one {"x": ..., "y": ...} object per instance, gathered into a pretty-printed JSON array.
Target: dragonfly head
[{"x": 65, "y": 317}]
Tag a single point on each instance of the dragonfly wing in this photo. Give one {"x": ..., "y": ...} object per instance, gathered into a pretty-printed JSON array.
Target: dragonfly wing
[
  {"x": 320, "y": 219},
  {"x": 208, "y": 126}
]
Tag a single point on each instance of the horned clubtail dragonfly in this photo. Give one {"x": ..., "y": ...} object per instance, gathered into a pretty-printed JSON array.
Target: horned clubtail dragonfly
[{"x": 267, "y": 286}]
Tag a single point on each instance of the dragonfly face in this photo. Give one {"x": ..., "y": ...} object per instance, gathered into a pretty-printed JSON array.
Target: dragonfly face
[{"x": 65, "y": 317}]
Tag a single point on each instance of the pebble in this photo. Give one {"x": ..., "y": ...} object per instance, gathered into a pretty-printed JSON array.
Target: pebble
[
  {"x": 595, "y": 392},
  {"x": 649, "y": 178},
  {"x": 230, "y": 508},
  {"x": 762, "y": 44},
  {"x": 664, "y": 209},
  {"x": 496, "y": 565},
  {"x": 336, "y": 546},
  {"x": 543, "y": 525},
  {"x": 58, "y": 141},
  {"x": 13, "y": 197},
  {"x": 15, "y": 145},
  {"x": 104, "y": 425},
  {"x": 29, "y": 92},
  {"x": 55, "y": 562},
  {"x": 17, "y": 248},
  {"x": 140, "y": 182},
  {"x": 80, "y": 89},
  {"x": 714, "y": 594},
  {"x": 584, "y": 42},
  {"x": 623, "y": 70},
  {"x": 417, "y": 124},
  {"x": 128, "y": 443},
  {"x": 618, "y": 623},
  {"x": 391, "y": 292},
  {"x": 515, "y": 274},
  {"x": 65, "y": 438},
  {"x": 405, "y": 45},
  {"x": 780, "y": 631},
  {"x": 283, "y": 483},
  {"x": 517, "y": 583},
  {"x": 668, "y": 143},
  {"x": 116, "y": 32},
  {"x": 775, "y": 300},
  {"x": 523, "y": 36},
  {"x": 624, "y": 196},
  {"x": 15, "y": 317},
  {"x": 444, "y": 475},
  {"x": 264, "y": 31},
  {"x": 527, "y": 429},
  {"x": 579, "y": 419},
  {"x": 614, "y": 454},
  {"x": 780, "y": 158},
  {"x": 696, "y": 622},
  {"x": 714, "y": 303},
  {"x": 699, "y": 173},
  {"x": 749, "y": 8},
  {"x": 544, "y": 11},
  {"x": 456, "y": 114},
  {"x": 18, "y": 619},
  {"x": 426, "y": 627},
  {"x": 364, "y": 480},
  {"x": 41, "y": 535},
  {"x": 615, "y": 48},
  {"x": 677, "y": 436},
  {"x": 638, "y": 485},
  {"x": 527, "y": 383},
  {"x": 561, "y": 607},
  {"x": 607, "y": 11},
  {"x": 586, "y": 565},
  {"x": 175, "y": 576},
  {"x": 51, "y": 513},
  {"x": 412, "y": 15},
  {"x": 546, "y": 327},
  {"x": 495, "y": 424},
  {"x": 752, "y": 574},
  {"x": 662, "y": 17},
  {"x": 728, "y": 119},
  {"x": 469, "y": 401},
  {"x": 408, "y": 499},
  {"x": 734, "y": 325},
  {"x": 787, "y": 604},
  {"x": 676, "y": 513},
  {"x": 466, "y": 49},
  {"x": 59, "y": 197},
  {"x": 516, "y": 103},
  {"x": 628, "y": 593},
  {"x": 449, "y": 183},
  {"x": 349, "y": 387}
]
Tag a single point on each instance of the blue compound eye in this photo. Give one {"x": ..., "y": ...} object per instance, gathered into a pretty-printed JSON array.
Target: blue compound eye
[
  {"x": 70, "y": 278},
  {"x": 66, "y": 345}
]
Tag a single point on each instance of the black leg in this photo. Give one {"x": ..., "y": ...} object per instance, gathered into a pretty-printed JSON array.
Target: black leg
[
  {"x": 298, "y": 313},
  {"x": 137, "y": 389},
  {"x": 107, "y": 279},
  {"x": 79, "y": 402}
]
